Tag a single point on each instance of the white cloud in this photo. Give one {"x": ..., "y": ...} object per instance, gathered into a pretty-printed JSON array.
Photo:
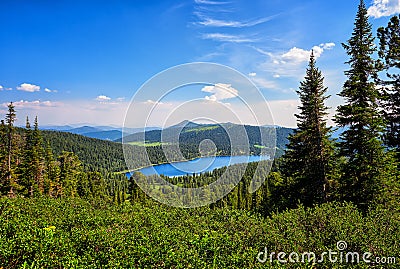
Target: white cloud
[
  {"x": 252, "y": 74},
  {"x": 227, "y": 38},
  {"x": 23, "y": 104},
  {"x": 296, "y": 55},
  {"x": 27, "y": 87},
  {"x": 103, "y": 98},
  {"x": 327, "y": 46},
  {"x": 4, "y": 89},
  {"x": 48, "y": 90},
  {"x": 383, "y": 8},
  {"x": 300, "y": 55},
  {"x": 220, "y": 91},
  {"x": 291, "y": 62}
]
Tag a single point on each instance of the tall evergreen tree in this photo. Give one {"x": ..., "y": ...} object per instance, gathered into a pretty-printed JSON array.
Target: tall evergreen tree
[
  {"x": 361, "y": 141},
  {"x": 389, "y": 53},
  {"x": 38, "y": 158},
  {"x": 32, "y": 167},
  {"x": 70, "y": 168},
  {"x": 51, "y": 174},
  {"x": 308, "y": 158},
  {"x": 26, "y": 169},
  {"x": 3, "y": 156},
  {"x": 11, "y": 179}
]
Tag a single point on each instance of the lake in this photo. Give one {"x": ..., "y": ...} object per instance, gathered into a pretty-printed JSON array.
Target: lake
[{"x": 199, "y": 165}]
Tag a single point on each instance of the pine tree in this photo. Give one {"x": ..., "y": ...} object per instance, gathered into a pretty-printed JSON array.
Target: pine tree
[
  {"x": 51, "y": 174},
  {"x": 11, "y": 179},
  {"x": 361, "y": 141},
  {"x": 389, "y": 53},
  {"x": 38, "y": 158},
  {"x": 26, "y": 169},
  {"x": 70, "y": 168},
  {"x": 3, "y": 156},
  {"x": 32, "y": 168},
  {"x": 308, "y": 158}
]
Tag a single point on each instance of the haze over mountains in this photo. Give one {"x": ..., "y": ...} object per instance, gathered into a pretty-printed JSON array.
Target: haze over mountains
[
  {"x": 190, "y": 133},
  {"x": 100, "y": 132}
]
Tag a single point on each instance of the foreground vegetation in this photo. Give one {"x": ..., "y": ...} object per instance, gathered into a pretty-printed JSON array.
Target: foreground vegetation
[{"x": 72, "y": 233}]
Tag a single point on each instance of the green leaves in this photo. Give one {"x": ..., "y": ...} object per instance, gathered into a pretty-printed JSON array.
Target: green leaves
[{"x": 71, "y": 233}]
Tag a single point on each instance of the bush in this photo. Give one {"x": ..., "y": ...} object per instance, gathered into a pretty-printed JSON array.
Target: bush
[{"x": 71, "y": 233}]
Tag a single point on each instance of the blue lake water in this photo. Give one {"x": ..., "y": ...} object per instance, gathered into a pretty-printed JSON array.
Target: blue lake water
[{"x": 199, "y": 165}]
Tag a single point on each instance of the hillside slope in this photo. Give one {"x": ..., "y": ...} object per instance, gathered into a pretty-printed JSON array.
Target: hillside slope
[{"x": 193, "y": 134}]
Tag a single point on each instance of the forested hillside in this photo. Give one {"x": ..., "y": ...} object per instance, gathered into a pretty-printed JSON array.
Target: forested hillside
[
  {"x": 95, "y": 154},
  {"x": 221, "y": 134}
]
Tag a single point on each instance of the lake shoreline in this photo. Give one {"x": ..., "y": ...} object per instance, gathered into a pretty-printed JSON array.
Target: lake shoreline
[{"x": 217, "y": 162}]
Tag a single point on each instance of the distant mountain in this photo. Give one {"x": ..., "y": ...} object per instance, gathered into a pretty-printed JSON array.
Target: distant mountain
[
  {"x": 186, "y": 124},
  {"x": 100, "y": 132},
  {"x": 83, "y": 130},
  {"x": 56, "y": 127},
  {"x": 194, "y": 133},
  {"x": 110, "y": 135}
]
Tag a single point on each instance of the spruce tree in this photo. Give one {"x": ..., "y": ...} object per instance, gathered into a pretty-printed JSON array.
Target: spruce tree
[
  {"x": 308, "y": 158},
  {"x": 26, "y": 169},
  {"x": 51, "y": 174},
  {"x": 70, "y": 168},
  {"x": 361, "y": 143},
  {"x": 3, "y": 156},
  {"x": 38, "y": 158},
  {"x": 389, "y": 53},
  {"x": 11, "y": 180}
]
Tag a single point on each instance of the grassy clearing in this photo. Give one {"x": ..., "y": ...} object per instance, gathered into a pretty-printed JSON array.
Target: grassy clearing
[
  {"x": 147, "y": 144},
  {"x": 203, "y": 128}
]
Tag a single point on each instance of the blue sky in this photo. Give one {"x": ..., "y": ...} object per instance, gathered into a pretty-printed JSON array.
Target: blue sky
[{"x": 82, "y": 61}]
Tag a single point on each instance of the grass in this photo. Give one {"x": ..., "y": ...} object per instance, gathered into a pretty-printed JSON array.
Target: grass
[
  {"x": 203, "y": 128},
  {"x": 259, "y": 146},
  {"x": 147, "y": 144}
]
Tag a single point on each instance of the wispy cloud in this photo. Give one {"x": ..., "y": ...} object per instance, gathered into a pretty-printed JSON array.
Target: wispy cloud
[
  {"x": 48, "y": 90},
  {"x": 228, "y": 38},
  {"x": 384, "y": 8},
  {"x": 27, "y": 87},
  {"x": 208, "y": 2},
  {"x": 210, "y": 22},
  {"x": 152, "y": 102},
  {"x": 264, "y": 83}
]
